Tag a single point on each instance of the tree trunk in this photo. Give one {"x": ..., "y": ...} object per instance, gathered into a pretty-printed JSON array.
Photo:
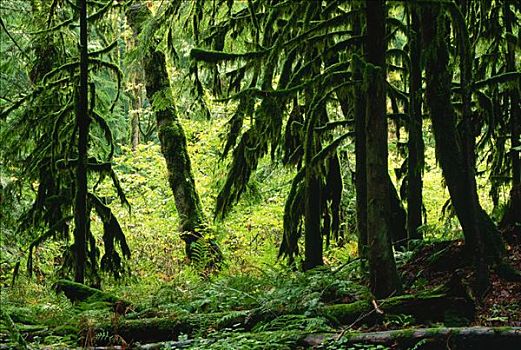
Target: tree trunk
[
  {"x": 469, "y": 156},
  {"x": 415, "y": 144},
  {"x": 136, "y": 107},
  {"x": 134, "y": 124},
  {"x": 313, "y": 206},
  {"x": 171, "y": 136},
  {"x": 397, "y": 219},
  {"x": 361, "y": 174},
  {"x": 135, "y": 78},
  {"x": 82, "y": 120},
  {"x": 360, "y": 154},
  {"x": 384, "y": 278},
  {"x": 450, "y": 151},
  {"x": 515, "y": 122},
  {"x": 313, "y": 237}
]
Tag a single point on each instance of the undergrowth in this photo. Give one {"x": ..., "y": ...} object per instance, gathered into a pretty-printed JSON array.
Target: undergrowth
[{"x": 162, "y": 282}]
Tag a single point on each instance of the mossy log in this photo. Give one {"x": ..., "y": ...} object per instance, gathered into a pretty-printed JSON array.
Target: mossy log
[
  {"x": 157, "y": 329},
  {"x": 453, "y": 310},
  {"x": 428, "y": 338},
  {"x": 423, "y": 308},
  {"x": 79, "y": 292}
]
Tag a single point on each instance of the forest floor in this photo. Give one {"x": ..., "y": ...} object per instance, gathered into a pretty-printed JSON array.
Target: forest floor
[
  {"x": 274, "y": 309},
  {"x": 501, "y": 305}
]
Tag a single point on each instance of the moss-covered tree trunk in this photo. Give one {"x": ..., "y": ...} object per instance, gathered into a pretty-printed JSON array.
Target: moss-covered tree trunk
[
  {"x": 82, "y": 121},
  {"x": 171, "y": 135},
  {"x": 468, "y": 140},
  {"x": 384, "y": 279},
  {"x": 514, "y": 215},
  {"x": 135, "y": 78},
  {"x": 313, "y": 205},
  {"x": 360, "y": 153},
  {"x": 134, "y": 123},
  {"x": 415, "y": 144},
  {"x": 449, "y": 147}
]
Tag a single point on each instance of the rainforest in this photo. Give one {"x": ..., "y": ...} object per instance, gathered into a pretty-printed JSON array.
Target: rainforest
[{"x": 260, "y": 174}]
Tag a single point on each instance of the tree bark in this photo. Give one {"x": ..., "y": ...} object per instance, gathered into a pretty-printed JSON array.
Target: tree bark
[
  {"x": 384, "y": 278},
  {"x": 82, "y": 120},
  {"x": 415, "y": 144},
  {"x": 171, "y": 136}
]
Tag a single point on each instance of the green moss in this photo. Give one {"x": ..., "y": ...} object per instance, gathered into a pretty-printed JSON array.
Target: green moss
[
  {"x": 433, "y": 331},
  {"x": 348, "y": 313},
  {"x": 500, "y": 330},
  {"x": 403, "y": 333},
  {"x": 456, "y": 331},
  {"x": 345, "y": 313},
  {"x": 80, "y": 292}
]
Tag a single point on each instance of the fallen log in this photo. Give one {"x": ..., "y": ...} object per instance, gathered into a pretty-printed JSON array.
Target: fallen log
[
  {"x": 426, "y": 309},
  {"x": 77, "y": 292},
  {"x": 80, "y": 292},
  {"x": 427, "y": 338},
  {"x": 159, "y": 329},
  {"x": 418, "y": 338}
]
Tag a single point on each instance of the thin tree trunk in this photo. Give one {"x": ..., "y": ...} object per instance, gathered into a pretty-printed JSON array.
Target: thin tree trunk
[
  {"x": 415, "y": 158},
  {"x": 449, "y": 150},
  {"x": 313, "y": 245},
  {"x": 82, "y": 121},
  {"x": 515, "y": 121},
  {"x": 384, "y": 278},
  {"x": 360, "y": 154},
  {"x": 135, "y": 100},
  {"x": 135, "y": 128},
  {"x": 171, "y": 137},
  {"x": 134, "y": 115}
]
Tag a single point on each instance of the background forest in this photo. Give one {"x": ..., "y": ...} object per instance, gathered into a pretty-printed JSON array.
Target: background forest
[{"x": 260, "y": 174}]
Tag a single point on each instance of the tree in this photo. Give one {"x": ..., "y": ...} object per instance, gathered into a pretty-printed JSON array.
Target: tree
[
  {"x": 57, "y": 149},
  {"x": 384, "y": 278},
  {"x": 415, "y": 147},
  {"x": 171, "y": 136},
  {"x": 455, "y": 151},
  {"x": 315, "y": 65},
  {"x": 83, "y": 122},
  {"x": 306, "y": 79},
  {"x": 360, "y": 152},
  {"x": 513, "y": 215}
]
